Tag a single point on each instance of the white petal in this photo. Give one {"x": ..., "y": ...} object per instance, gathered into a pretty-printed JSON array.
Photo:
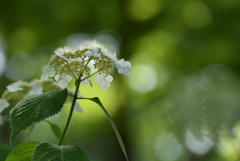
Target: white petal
[
  {"x": 19, "y": 89},
  {"x": 77, "y": 107},
  {"x": 46, "y": 68},
  {"x": 120, "y": 71},
  {"x": 119, "y": 64},
  {"x": 114, "y": 56},
  {"x": 68, "y": 78},
  {"x": 10, "y": 87},
  {"x": 51, "y": 73},
  {"x": 121, "y": 61},
  {"x": 97, "y": 55},
  {"x": 94, "y": 49},
  {"x": 105, "y": 53},
  {"x": 91, "y": 64},
  {"x": 36, "y": 90},
  {"x": 109, "y": 78},
  {"x": 90, "y": 82},
  {"x": 57, "y": 77},
  {"x": 14, "y": 88},
  {"x": 127, "y": 64},
  {"x": 44, "y": 76},
  {"x": 105, "y": 84},
  {"x": 63, "y": 57},
  {"x": 84, "y": 82},
  {"x": 126, "y": 72},
  {"x": 99, "y": 78},
  {"x": 63, "y": 83},
  {"x": 88, "y": 53},
  {"x": 60, "y": 54}
]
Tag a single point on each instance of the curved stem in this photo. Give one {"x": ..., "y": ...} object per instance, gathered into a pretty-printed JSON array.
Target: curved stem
[
  {"x": 80, "y": 97},
  {"x": 85, "y": 65},
  {"x": 91, "y": 75},
  {"x": 75, "y": 97},
  {"x": 71, "y": 71}
]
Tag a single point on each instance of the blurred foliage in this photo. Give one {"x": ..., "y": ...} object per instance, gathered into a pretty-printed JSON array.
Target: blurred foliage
[{"x": 180, "y": 101}]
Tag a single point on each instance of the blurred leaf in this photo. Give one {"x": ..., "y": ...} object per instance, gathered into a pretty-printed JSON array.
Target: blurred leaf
[
  {"x": 23, "y": 152},
  {"x": 97, "y": 101},
  {"x": 58, "y": 133},
  {"x": 206, "y": 102},
  {"x": 36, "y": 109},
  {"x": 6, "y": 118},
  {"x": 4, "y": 151},
  {"x": 51, "y": 152}
]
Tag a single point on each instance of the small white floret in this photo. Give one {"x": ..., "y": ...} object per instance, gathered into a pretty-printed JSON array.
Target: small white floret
[
  {"x": 14, "y": 88},
  {"x": 36, "y": 90},
  {"x": 48, "y": 71},
  {"x": 94, "y": 52},
  {"x": 123, "y": 67},
  {"x": 63, "y": 80},
  {"x": 104, "y": 80},
  {"x": 88, "y": 53}
]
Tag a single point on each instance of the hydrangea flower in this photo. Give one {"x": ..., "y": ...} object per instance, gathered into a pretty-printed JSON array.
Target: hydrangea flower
[
  {"x": 3, "y": 104},
  {"x": 123, "y": 67},
  {"x": 63, "y": 79},
  {"x": 94, "y": 52},
  {"x": 84, "y": 61},
  {"x": 48, "y": 71},
  {"x": 36, "y": 90},
  {"x": 104, "y": 80},
  {"x": 14, "y": 88}
]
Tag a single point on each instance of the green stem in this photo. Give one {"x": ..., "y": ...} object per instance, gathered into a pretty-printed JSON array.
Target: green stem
[{"x": 75, "y": 97}]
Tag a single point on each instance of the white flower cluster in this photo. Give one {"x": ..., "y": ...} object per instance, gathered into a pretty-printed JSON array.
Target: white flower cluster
[
  {"x": 22, "y": 90},
  {"x": 17, "y": 91},
  {"x": 84, "y": 61}
]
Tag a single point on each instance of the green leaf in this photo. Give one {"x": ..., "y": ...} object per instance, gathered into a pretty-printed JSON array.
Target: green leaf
[
  {"x": 51, "y": 152},
  {"x": 23, "y": 152},
  {"x": 97, "y": 101},
  {"x": 58, "y": 133},
  {"x": 4, "y": 151},
  {"x": 36, "y": 109}
]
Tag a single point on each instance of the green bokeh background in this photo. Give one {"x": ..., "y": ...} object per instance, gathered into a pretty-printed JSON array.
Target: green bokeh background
[{"x": 184, "y": 79}]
